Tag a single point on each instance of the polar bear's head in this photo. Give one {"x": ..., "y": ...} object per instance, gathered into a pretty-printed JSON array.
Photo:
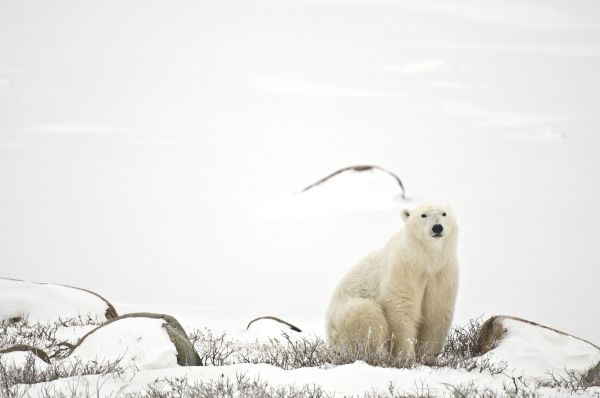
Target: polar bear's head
[{"x": 431, "y": 224}]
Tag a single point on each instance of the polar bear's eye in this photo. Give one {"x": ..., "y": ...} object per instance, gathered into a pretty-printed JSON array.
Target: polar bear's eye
[
  {"x": 444, "y": 214},
  {"x": 423, "y": 215}
]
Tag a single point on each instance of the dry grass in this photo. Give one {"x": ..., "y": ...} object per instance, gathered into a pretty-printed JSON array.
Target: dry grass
[
  {"x": 214, "y": 350},
  {"x": 573, "y": 382},
  {"x": 45, "y": 336},
  {"x": 12, "y": 376},
  {"x": 224, "y": 387},
  {"x": 292, "y": 351},
  {"x": 516, "y": 388}
]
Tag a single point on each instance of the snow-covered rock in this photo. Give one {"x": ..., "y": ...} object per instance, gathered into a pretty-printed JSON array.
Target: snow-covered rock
[
  {"x": 140, "y": 340},
  {"x": 42, "y": 302},
  {"x": 350, "y": 189},
  {"x": 535, "y": 350}
]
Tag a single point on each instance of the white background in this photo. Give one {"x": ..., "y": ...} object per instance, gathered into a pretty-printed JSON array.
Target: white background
[{"x": 150, "y": 151}]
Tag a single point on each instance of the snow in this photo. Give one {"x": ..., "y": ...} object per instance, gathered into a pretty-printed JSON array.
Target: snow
[
  {"x": 46, "y": 302},
  {"x": 73, "y": 333},
  {"x": 139, "y": 343},
  {"x": 357, "y": 378},
  {"x": 18, "y": 359},
  {"x": 347, "y": 192},
  {"x": 353, "y": 379}
]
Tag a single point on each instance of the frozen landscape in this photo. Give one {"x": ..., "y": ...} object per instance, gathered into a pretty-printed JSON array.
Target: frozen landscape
[{"x": 154, "y": 152}]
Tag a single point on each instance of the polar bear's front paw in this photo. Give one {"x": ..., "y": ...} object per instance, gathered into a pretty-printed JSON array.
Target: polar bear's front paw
[{"x": 405, "y": 348}]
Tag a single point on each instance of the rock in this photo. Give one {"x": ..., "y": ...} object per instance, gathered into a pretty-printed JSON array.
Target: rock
[
  {"x": 592, "y": 377},
  {"x": 42, "y": 302},
  {"x": 141, "y": 340},
  {"x": 493, "y": 330},
  {"x": 533, "y": 349},
  {"x": 38, "y": 352},
  {"x": 490, "y": 334}
]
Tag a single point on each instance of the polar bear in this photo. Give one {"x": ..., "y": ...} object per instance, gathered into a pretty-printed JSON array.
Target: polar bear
[{"x": 401, "y": 296}]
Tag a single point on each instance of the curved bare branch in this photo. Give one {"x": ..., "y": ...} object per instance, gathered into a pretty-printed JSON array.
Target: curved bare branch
[
  {"x": 357, "y": 168},
  {"x": 274, "y": 318}
]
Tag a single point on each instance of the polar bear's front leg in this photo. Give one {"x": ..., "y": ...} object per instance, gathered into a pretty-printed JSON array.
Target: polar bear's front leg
[
  {"x": 403, "y": 317},
  {"x": 437, "y": 311},
  {"x": 434, "y": 330}
]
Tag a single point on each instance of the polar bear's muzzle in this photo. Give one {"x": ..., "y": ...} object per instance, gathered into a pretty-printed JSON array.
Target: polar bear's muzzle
[{"x": 437, "y": 230}]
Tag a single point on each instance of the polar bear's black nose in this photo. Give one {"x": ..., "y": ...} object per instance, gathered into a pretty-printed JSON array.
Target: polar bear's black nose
[{"x": 437, "y": 229}]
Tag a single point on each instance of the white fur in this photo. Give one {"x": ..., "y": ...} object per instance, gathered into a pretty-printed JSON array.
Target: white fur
[{"x": 402, "y": 295}]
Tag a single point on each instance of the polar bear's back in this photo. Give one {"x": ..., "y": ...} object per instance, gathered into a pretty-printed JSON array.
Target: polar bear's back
[{"x": 364, "y": 279}]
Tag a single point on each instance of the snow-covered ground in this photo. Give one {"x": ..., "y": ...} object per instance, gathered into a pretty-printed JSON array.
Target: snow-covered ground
[
  {"x": 346, "y": 380},
  {"x": 526, "y": 356},
  {"x": 153, "y": 152}
]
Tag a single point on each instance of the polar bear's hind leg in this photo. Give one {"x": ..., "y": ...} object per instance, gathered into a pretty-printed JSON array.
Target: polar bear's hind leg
[{"x": 360, "y": 324}]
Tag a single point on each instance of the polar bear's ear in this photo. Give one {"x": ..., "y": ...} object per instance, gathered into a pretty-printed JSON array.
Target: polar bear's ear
[{"x": 405, "y": 214}]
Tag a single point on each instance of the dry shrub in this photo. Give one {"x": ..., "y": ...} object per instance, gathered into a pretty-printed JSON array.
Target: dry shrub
[
  {"x": 292, "y": 351},
  {"x": 43, "y": 335},
  {"x": 572, "y": 381},
  {"x": 242, "y": 387},
  {"x": 12, "y": 375},
  {"x": 214, "y": 350}
]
